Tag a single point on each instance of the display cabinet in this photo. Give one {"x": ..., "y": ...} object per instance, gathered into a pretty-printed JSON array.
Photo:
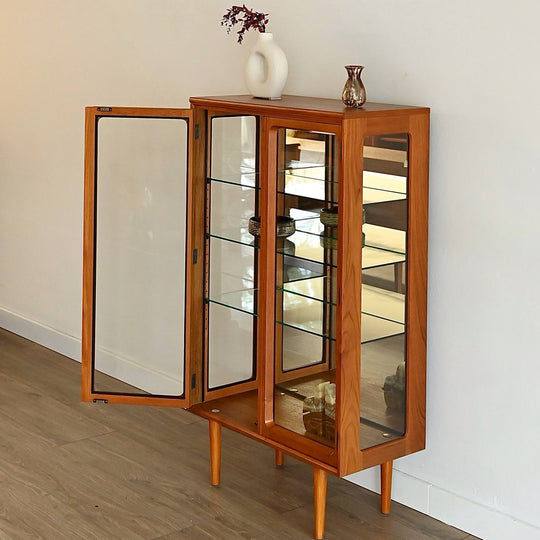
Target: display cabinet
[{"x": 264, "y": 265}]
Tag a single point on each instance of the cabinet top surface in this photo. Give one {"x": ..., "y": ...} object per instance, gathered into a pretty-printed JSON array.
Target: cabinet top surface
[{"x": 294, "y": 104}]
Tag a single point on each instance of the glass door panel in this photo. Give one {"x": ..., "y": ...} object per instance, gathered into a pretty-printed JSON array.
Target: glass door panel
[
  {"x": 384, "y": 291},
  {"x": 140, "y": 245},
  {"x": 232, "y": 252},
  {"x": 306, "y": 283}
]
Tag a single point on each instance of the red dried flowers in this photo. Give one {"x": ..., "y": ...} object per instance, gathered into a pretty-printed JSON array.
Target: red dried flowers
[{"x": 247, "y": 17}]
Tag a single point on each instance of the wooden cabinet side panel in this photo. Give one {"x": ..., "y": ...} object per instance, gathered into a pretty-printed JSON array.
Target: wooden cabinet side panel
[{"x": 417, "y": 282}]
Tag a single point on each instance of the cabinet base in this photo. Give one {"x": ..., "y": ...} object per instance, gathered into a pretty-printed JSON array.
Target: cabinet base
[{"x": 320, "y": 479}]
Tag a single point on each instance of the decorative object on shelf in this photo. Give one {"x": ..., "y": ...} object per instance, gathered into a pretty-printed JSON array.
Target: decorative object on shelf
[
  {"x": 329, "y": 216},
  {"x": 394, "y": 389},
  {"x": 313, "y": 411},
  {"x": 288, "y": 248},
  {"x": 354, "y": 92},
  {"x": 328, "y": 238},
  {"x": 319, "y": 411},
  {"x": 267, "y": 68},
  {"x": 285, "y": 226},
  {"x": 330, "y": 411}
]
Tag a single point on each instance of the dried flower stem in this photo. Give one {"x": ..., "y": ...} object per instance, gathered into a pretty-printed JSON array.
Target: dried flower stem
[{"x": 247, "y": 17}]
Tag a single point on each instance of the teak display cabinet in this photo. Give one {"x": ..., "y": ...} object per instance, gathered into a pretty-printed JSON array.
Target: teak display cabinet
[{"x": 264, "y": 265}]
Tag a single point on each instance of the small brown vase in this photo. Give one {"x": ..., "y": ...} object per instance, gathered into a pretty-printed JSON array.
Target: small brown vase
[{"x": 354, "y": 92}]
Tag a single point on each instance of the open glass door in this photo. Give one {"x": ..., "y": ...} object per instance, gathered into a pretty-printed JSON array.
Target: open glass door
[{"x": 135, "y": 314}]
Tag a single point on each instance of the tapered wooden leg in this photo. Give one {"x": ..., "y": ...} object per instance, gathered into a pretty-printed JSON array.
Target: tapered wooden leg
[
  {"x": 319, "y": 499},
  {"x": 279, "y": 458},
  {"x": 386, "y": 486},
  {"x": 215, "y": 452}
]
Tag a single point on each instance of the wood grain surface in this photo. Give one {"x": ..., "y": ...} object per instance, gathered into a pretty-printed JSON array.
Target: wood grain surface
[{"x": 73, "y": 470}]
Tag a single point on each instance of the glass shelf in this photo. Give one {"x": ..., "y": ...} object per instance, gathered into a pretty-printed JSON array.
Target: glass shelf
[
  {"x": 310, "y": 327},
  {"x": 379, "y": 187},
  {"x": 243, "y": 300},
  {"x": 244, "y": 179},
  {"x": 312, "y": 289},
  {"x": 307, "y": 247},
  {"x": 374, "y": 328},
  {"x": 295, "y": 269},
  {"x": 313, "y": 225},
  {"x": 315, "y": 267},
  {"x": 391, "y": 241},
  {"x": 295, "y": 165},
  {"x": 386, "y": 319},
  {"x": 311, "y": 171},
  {"x": 238, "y": 236},
  {"x": 307, "y": 180},
  {"x": 384, "y": 246},
  {"x": 375, "y": 257},
  {"x": 383, "y": 304}
]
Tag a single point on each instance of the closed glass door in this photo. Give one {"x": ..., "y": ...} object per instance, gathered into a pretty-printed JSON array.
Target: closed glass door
[
  {"x": 307, "y": 216},
  {"x": 232, "y": 245}
]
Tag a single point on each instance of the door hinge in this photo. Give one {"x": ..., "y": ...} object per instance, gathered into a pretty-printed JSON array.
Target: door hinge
[
  {"x": 194, "y": 258},
  {"x": 193, "y": 380},
  {"x": 101, "y": 401},
  {"x": 196, "y": 131}
]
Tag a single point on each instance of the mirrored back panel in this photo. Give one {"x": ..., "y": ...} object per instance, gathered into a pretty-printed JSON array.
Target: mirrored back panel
[
  {"x": 384, "y": 289},
  {"x": 140, "y": 246}
]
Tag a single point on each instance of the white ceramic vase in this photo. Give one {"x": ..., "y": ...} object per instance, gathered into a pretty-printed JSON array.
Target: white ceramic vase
[{"x": 266, "y": 68}]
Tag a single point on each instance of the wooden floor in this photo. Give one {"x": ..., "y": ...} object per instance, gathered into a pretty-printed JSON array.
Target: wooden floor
[{"x": 72, "y": 470}]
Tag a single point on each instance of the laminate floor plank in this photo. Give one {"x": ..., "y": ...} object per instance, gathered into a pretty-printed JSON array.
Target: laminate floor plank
[
  {"x": 56, "y": 421},
  {"x": 72, "y": 470}
]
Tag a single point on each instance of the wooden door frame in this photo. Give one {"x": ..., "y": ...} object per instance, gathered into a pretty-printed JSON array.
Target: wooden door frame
[
  {"x": 267, "y": 353},
  {"x": 192, "y": 323},
  {"x": 251, "y": 384}
]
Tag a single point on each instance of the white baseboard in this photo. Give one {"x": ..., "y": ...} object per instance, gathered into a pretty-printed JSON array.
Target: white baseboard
[
  {"x": 132, "y": 373},
  {"x": 51, "y": 338},
  {"x": 480, "y": 520},
  {"x": 138, "y": 375},
  {"x": 469, "y": 516}
]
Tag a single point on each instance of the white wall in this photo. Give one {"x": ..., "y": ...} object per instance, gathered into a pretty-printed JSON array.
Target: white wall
[{"x": 474, "y": 63}]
